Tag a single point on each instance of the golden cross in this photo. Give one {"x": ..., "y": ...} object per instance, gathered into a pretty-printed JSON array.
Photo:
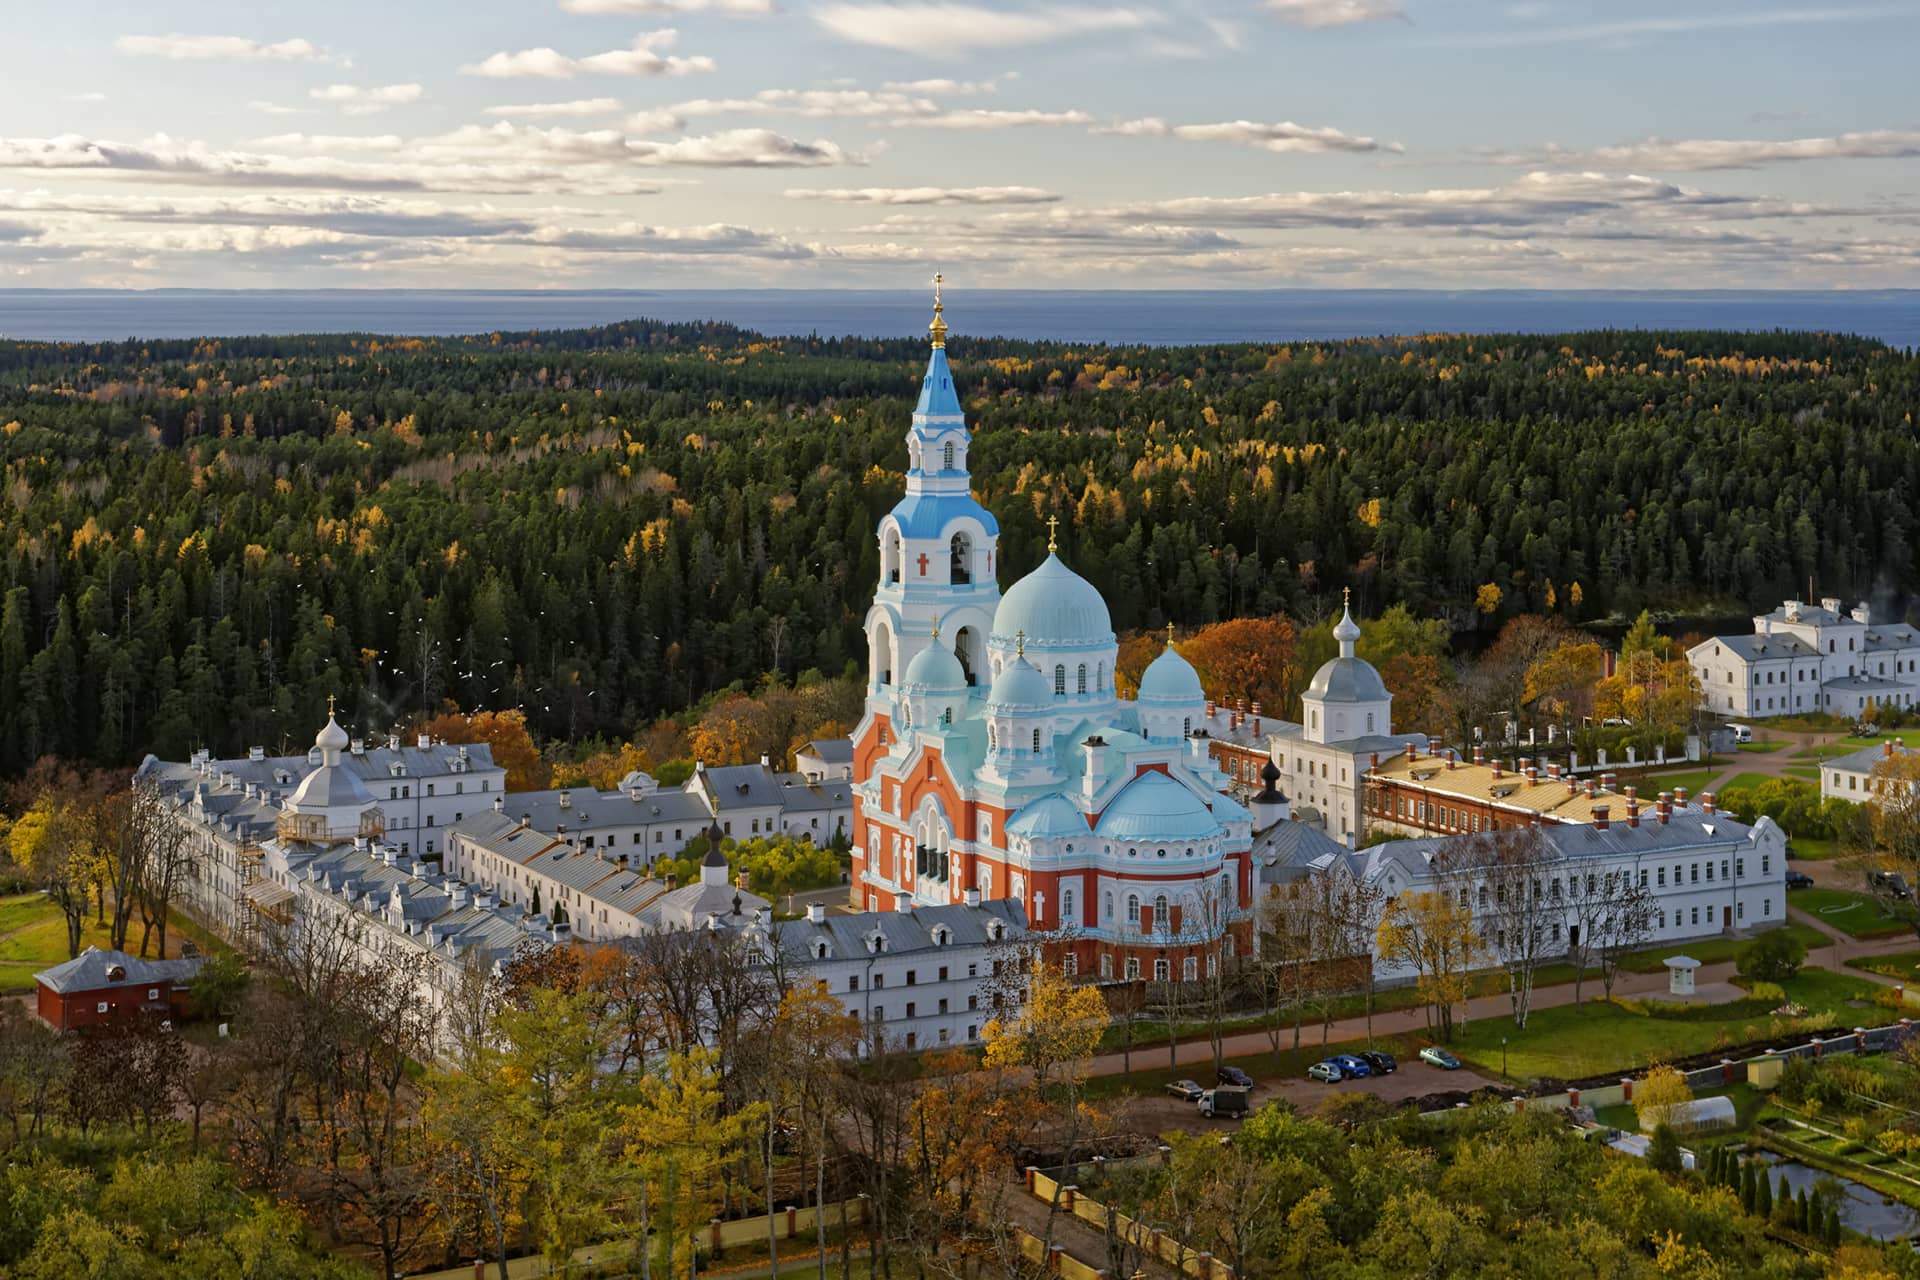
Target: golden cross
[
  {"x": 1346, "y": 597},
  {"x": 937, "y": 277},
  {"x": 1053, "y": 524},
  {"x": 1169, "y": 635},
  {"x": 1020, "y": 643},
  {"x": 936, "y": 628},
  {"x": 329, "y": 706}
]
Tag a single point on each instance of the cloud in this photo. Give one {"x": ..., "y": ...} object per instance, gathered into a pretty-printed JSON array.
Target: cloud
[
  {"x": 633, "y": 237},
  {"x": 1057, "y": 228},
  {"x": 1333, "y": 13},
  {"x": 237, "y": 48},
  {"x": 331, "y": 142},
  {"x": 949, "y": 28},
  {"x": 976, "y": 119},
  {"x": 1284, "y": 136},
  {"x": 1624, "y": 31},
  {"x": 95, "y": 96},
  {"x": 642, "y": 58},
  {"x": 502, "y": 158},
  {"x": 1699, "y": 155},
  {"x": 812, "y": 103},
  {"x": 359, "y": 215},
  {"x": 361, "y": 100},
  {"x": 540, "y": 110},
  {"x": 945, "y": 88},
  {"x": 607, "y": 8},
  {"x": 924, "y": 195}
]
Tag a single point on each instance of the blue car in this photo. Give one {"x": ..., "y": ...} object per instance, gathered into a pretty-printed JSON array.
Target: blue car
[{"x": 1351, "y": 1066}]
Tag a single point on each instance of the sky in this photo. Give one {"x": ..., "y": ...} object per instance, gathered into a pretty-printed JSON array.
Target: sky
[{"x": 1225, "y": 144}]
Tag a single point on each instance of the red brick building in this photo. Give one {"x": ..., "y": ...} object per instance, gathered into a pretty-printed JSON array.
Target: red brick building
[{"x": 104, "y": 986}]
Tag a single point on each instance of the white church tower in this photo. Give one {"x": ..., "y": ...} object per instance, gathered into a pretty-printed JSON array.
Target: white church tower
[
  {"x": 938, "y": 547},
  {"x": 1347, "y": 698}
]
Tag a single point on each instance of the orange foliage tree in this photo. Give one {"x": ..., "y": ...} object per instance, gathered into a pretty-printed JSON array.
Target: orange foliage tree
[
  {"x": 506, "y": 733},
  {"x": 1251, "y": 658}
]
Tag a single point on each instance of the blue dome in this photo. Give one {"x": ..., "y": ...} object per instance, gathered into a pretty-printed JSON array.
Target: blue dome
[
  {"x": 1020, "y": 684},
  {"x": 1055, "y": 607},
  {"x": 1047, "y": 818},
  {"x": 1155, "y": 807},
  {"x": 935, "y": 670},
  {"x": 1171, "y": 678}
]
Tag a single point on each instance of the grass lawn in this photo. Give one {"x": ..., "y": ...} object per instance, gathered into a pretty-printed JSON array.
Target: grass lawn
[
  {"x": 33, "y": 936},
  {"x": 1150, "y": 1074},
  {"x": 1857, "y": 915},
  {"x": 1652, "y": 784},
  {"x": 1764, "y": 747},
  {"x": 1810, "y": 773},
  {"x": 1904, "y": 965},
  {"x": 1571, "y": 1041},
  {"x": 1751, "y": 781},
  {"x": 1824, "y": 751},
  {"x": 1905, "y": 737},
  {"x": 1816, "y": 848}
]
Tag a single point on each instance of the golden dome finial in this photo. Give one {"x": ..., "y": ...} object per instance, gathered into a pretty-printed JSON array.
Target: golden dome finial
[
  {"x": 1053, "y": 541},
  {"x": 936, "y": 628},
  {"x": 329, "y": 706},
  {"x": 939, "y": 326},
  {"x": 1169, "y": 635},
  {"x": 1020, "y": 643},
  {"x": 1346, "y": 598}
]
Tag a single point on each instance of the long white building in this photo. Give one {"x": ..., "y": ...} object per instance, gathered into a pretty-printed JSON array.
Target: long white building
[
  {"x": 1803, "y": 657},
  {"x": 1706, "y": 875}
]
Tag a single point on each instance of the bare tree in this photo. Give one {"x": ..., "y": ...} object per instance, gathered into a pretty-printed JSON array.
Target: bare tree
[
  {"x": 1519, "y": 919},
  {"x": 1624, "y": 923},
  {"x": 164, "y": 866}
]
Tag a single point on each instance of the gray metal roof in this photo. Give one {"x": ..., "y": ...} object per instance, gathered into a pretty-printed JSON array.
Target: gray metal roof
[
  {"x": 91, "y": 970},
  {"x": 587, "y": 810},
  {"x": 1811, "y": 614},
  {"x": 331, "y": 786},
  {"x": 741, "y": 786},
  {"x": 832, "y": 750},
  {"x": 846, "y": 936},
  {"x": 1348, "y": 680},
  {"x": 1865, "y": 760},
  {"x": 1863, "y": 683},
  {"x": 614, "y": 883},
  {"x": 1285, "y": 850},
  {"x": 1899, "y": 636},
  {"x": 798, "y": 794},
  {"x": 1758, "y": 648}
]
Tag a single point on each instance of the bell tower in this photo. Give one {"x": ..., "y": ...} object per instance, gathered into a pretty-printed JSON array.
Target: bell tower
[{"x": 938, "y": 547}]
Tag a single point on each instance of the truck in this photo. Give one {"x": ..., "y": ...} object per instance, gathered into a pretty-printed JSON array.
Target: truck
[{"x": 1225, "y": 1100}]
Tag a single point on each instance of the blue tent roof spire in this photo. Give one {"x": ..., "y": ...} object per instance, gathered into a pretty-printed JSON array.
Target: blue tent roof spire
[
  {"x": 939, "y": 326},
  {"x": 938, "y": 399}
]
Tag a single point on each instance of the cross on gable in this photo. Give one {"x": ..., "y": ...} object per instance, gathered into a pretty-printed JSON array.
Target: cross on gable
[{"x": 923, "y": 564}]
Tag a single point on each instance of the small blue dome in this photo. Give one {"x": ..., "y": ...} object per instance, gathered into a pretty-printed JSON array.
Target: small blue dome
[
  {"x": 1155, "y": 807},
  {"x": 1020, "y": 684},
  {"x": 1171, "y": 678},
  {"x": 1048, "y": 818},
  {"x": 935, "y": 670},
  {"x": 1055, "y": 607}
]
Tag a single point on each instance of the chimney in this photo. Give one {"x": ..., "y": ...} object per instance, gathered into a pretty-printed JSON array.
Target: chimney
[
  {"x": 1706, "y": 802},
  {"x": 1633, "y": 814},
  {"x": 971, "y": 897},
  {"x": 763, "y": 761},
  {"x": 1609, "y": 782},
  {"x": 1533, "y": 774},
  {"x": 1412, "y": 753},
  {"x": 1599, "y": 817},
  {"x": 1593, "y": 788},
  {"x": 256, "y": 754},
  {"x": 1449, "y": 762},
  {"x": 1630, "y": 791},
  {"x": 457, "y": 897},
  {"x": 499, "y": 803},
  {"x": 358, "y": 746},
  {"x": 1096, "y": 763},
  {"x": 1611, "y": 659},
  {"x": 1573, "y": 785},
  {"x": 1240, "y": 705},
  {"x": 903, "y": 903},
  {"x": 566, "y": 799},
  {"x": 1209, "y": 708},
  {"x": 1496, "y": 764},
  {"x": 393, "y": 742},
  {"x": 1886, "y": 748},
  {"x": 1664, "y": 809},
  {"x": 816, "y": 913},
  {"x": 1373, "y": 764},
  {"x": 1679, "y": 797},
  {"x": 1256, "y": 719},
  {"x": 1553, "y": 773},
  {"x": 1480, "y": 755},
  {"x": 425, "y": 741}
]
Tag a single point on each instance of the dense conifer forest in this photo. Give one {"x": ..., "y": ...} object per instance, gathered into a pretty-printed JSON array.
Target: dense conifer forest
[{"x": 205, "y": 539}]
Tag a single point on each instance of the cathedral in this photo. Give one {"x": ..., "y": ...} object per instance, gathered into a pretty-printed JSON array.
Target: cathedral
[{"x": 995, "y": 757}]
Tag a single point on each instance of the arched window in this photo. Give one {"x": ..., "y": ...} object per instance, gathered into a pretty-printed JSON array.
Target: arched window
[
  {"x": 1161, "y": 969},
  {"x": 1083, "y": 677},
  {"x": 1160, "y": 912},
  {"x": 993, "y": 737},
  {"x": 1133, "y": 908},
  {"x": 1190, "y": 969},
  {"x": 947, "y": 457},
  {"x": 1066, "y": 905},
  {"x": 1059, "y": 679},
  {"x": 1106, "y": 909},
  {"x": 1036, "y": 739},
  {"x": 1100, "y": 681},
  {"x": 1186, "y": 727},
  {"x": 946, "y": 717},
  {"x": 960, "y": 556},
  {"x": 1133, "y": 968}
]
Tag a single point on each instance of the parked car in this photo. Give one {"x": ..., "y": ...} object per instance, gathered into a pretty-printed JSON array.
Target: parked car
[
  {"x": 1383, "y": 1064},
  {"x": 1741, "y": 733},
  {"x": 1325, "y": 1073},
  {"x": 1799, "y": 880},
  {"x": 1891, "y": 883},
  {"x": 1235, "y": 1076},
  {"x": 1352, "y": 1066},
  {"x": 1185, "y": 1090},
  {"x": 1227, "y": 1100},
  {"x": 1434, "y": 1056}
]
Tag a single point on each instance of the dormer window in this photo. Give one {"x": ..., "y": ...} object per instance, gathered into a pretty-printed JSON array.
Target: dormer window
[
  {"x": 941, "y": 936},
  {"x": 819, "y": 951}
]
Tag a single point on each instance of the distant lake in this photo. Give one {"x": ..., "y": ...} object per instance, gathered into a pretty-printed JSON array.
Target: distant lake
[{"x": 1127, "y": 317}]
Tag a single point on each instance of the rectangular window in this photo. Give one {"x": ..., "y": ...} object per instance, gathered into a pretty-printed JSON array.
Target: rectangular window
[
  {"x": 911, "y": 977},
  {"x": 943, "y": 973},
  {"x": 1766, "y": 906},
  {"x": 943, "y": 1006},
  {"x": 1723, "y": 869},
  {"x": 1739, "y": 911},
  {"x": 1739, "y": 867},
  {"x": 909, "y": 1008},
  {"x": 853, "y": 982},
  {"x": 879, "y": 981},
  {"x": 1662, "y": 876},
  {"x": 1709, "y": 873},
  {"x": 1765, "y": 859},
  {"x": 1696, "y": 915},
  {"x": 1696, "y": 873}
]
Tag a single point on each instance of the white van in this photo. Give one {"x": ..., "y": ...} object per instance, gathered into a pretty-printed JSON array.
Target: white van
[{"x": 1741, "y": 733}]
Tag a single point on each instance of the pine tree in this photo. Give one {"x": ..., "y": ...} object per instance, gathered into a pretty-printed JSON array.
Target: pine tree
[
  {"x": 535, "y": 908},
  {"x": 1831, "y": 1229},
  {"x": 1747, "y": 1193},
  {"x": 1762, "y": 1194},
  {"x": 1663, "y": 1149}
]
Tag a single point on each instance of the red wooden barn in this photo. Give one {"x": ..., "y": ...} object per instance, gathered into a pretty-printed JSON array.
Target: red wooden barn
[{"x": 100, "y": 986}]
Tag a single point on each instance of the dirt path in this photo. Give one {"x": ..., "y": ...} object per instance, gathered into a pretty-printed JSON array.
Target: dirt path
[{"x": 1081, "y": 1239}]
